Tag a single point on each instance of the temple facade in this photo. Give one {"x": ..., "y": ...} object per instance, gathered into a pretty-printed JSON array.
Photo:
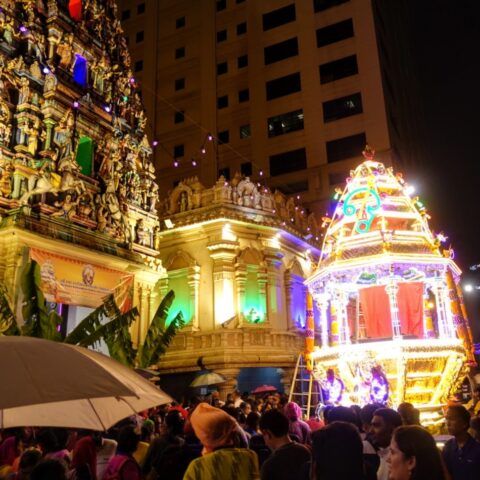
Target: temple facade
[
  {"x": 236, "y": 256},
  {"x": 77, "y": 187}
]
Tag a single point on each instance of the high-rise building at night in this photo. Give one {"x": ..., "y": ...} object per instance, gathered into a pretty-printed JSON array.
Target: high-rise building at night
[{"x": 290, "y": 90}]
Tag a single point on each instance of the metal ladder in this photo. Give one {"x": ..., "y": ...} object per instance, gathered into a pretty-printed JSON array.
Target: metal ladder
[{"x": 304, "y": 389}]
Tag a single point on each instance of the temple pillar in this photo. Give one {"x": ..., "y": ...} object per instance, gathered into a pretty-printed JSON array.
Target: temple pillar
[
  {"x": 193, "y": 289},
  {"x": 223, "y": 255},
  {"x": 323, "y": 307},
  {"x": 241, "y": 285},
  {"x": 262, "y": 278},
  {"x": 392, "y": 290},
  {"x": 230, "y": 384},
  {"x": 273, "y": 260}
]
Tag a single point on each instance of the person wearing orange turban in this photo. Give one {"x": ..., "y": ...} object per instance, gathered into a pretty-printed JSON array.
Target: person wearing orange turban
[{"x": 216, "y": 429}]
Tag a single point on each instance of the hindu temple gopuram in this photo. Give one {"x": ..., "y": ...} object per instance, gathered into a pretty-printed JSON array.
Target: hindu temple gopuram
[
  {"x": 393, "y": 326},
  {"x": 77, "y": 188}
]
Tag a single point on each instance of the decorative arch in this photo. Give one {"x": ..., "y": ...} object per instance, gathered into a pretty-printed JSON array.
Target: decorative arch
[
  {"x": 180, "y": 199},
  {"x": 251, "y": 285},
  {"x": 184, "y": 279}
]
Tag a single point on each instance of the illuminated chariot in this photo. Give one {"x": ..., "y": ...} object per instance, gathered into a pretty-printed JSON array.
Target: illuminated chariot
[{"x": 393, "y": 327}]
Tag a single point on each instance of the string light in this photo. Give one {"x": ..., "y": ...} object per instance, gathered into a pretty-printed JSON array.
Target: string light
[
  {"x": 107, "y": 108},
  {"x": 175, "y": 163},
  {"x": 210, "y": 137},
  {"x": 194, "y": 163},
  {"x": 76, "y": 104},
  {"x": 154, "y": 143},
  {"x": 46, "y": 70}
]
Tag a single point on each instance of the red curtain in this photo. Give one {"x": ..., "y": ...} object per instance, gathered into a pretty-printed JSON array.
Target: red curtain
[
  {"x": 75, "y": 9},
  {"x": 410, "y": 308},
  {"x": 376, "y": 311}
]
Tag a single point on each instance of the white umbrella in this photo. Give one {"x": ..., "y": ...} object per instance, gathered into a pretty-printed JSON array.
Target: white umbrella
[
  {"x": 205, "y": 379},
  {"x": 44, "y": 383}
]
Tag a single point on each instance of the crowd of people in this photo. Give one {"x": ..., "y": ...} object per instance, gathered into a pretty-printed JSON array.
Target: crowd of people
[{"x": 248, "y": 438}]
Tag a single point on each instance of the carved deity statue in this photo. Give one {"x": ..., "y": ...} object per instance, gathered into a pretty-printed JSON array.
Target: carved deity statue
[{"x": 65, "y": 51}]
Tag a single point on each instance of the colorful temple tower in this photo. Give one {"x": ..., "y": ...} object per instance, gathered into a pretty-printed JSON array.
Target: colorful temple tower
[
  {"x": 393, "y": 327},
  {"x": 77, "y": 187}
]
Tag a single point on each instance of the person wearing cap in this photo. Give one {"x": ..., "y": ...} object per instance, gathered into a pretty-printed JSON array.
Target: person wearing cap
[{"x": 220, "y": 459}]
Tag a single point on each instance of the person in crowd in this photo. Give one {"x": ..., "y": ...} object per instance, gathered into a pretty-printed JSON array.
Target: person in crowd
[
  {"x": 106, "y": 448},
  {"x": 366, "y": 415},
  {"x": 52, "y": 443},
  {"x": 475, "y": 428},
  {"x": 473, "y": 406},
  {"x": 384, "y": 422},
  {"x": 461, "y": 453},
  {"x": 28, "y": 460},
  {"x": 297, "y": 427},
  {"x": 220, "y": 460},
  {"x": 288, "y": 457},
  {"x": 84, "y": 456},
  {"x": 245, "y": 409},
  {"x": 237, "y": 399},
  {"x": 49, "y": 469},
  {"x": 146, "y": 436},
  {"x": 123, "y": 466},
  {"x": 10, "y": 449},
  {"x": 172, "y": 434},
  {"x": 252, "y": 424},
  {"x": 410, "y": 415},
  {"x": 414, "y": 455},
  {"x": 337, "y": 453}
]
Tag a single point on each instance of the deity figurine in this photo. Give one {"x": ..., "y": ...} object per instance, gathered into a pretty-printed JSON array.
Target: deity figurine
[
  {"x": 100, "y": 74},
  {"x": 5, "y": 123},
  {"x": 24, "y": 91},
  {"x": 68, "y": 207},
  {"x": 142, "y": 235},
  {"x": 63, "y": 135},
  {"x": 65, "y": 51}
]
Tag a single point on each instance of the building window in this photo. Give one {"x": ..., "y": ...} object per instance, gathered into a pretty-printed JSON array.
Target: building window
[
  {"x": 141, "y": 8},
  {"x": 242, "y": 61},
  {"x": 279, "y": 17},
  {"x": 246, "y": 169},
  {"x": 280, "y": 51},
  {"x": 221, "y": 36},
  {"x": 334, "y": 33},
  {"x": 242, "y": 28},
  {"x": 222, "y": 102},
  {"x": 346, "y": 147},
  {"x": 179, "y": 117},
  {"x": 139, "y": 37},
  {"x": 180, "y": 22},
  {"x": 221, "y": 5},
  {"x": 179, "y": 84},
  {"x": 341, "y": 68},
  {"x": 342, "y": 107},
  {"x": 244, "y": 131},
  {"x": 178, "y": 151},
  {"x": 223, "y": 137},
  {"x": 283, "y": 86},
  {"x": 287, "y": 162},
  {"x": 222, "y": 68},
  {"x": 285, "y": 123},
  {"x": 225, "y": 172},
  {"x": 179, "y": 52},
  {"x": 139, "y": 65},
  {"x": 243, "y": 95},
  {"x": 125, "y": 15},
  {"x": 295, "y": 187},
  {"x": 321, "y": 5}
]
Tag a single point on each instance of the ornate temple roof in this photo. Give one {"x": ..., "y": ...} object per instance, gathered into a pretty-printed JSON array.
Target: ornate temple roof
[
  {"x": 377, "y": 214},
  {"x": 239, "y": 199}
]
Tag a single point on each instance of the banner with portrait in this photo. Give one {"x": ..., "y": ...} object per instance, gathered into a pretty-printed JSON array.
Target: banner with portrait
[{"x": 75, "y": 282}]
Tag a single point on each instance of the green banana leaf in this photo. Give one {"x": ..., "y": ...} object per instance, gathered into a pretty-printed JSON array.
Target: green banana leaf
[
  {"x": 8, "y": 322},
  {"x": 38, "y": 321},
  {"x": 117, "y": 337},
  {"x": 93, "y": 321}
]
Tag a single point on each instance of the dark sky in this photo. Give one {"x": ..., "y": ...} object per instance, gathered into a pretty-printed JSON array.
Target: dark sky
[{"x": 446, "y": 53}]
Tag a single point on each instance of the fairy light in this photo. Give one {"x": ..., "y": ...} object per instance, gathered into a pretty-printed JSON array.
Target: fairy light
[
  {"x": 76, "y": 104},
  {"x": 175, "y": 163}
]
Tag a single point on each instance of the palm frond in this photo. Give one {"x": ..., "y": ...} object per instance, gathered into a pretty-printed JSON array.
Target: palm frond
[
  {"x": 39, "y": 322},
  {"x": 164, "y": 340},
  {"x": 93, "y": 321},
  {"x": 155, "y": 330},
  {"x": 8, "y": 322},
  {"x": 116, "y": 335}
]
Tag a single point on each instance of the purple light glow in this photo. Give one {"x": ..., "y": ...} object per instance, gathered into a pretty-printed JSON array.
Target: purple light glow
[
  {"x": 23, "y": 29},
  {"x": 194, "y": 163},
  {"x": 210, "y": 137},
  {"x": 155, "y": 143},
  {"x": 107, "y": 108},
  {"x": 203, "y": 150},
  {"x": 46, "y": 70},
  {"x": 175, "y": 164},
  {"x": 76, "y": 104}
]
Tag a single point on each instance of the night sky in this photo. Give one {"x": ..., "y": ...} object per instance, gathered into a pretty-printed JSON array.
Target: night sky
[{"x": 445, "y": 36}]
